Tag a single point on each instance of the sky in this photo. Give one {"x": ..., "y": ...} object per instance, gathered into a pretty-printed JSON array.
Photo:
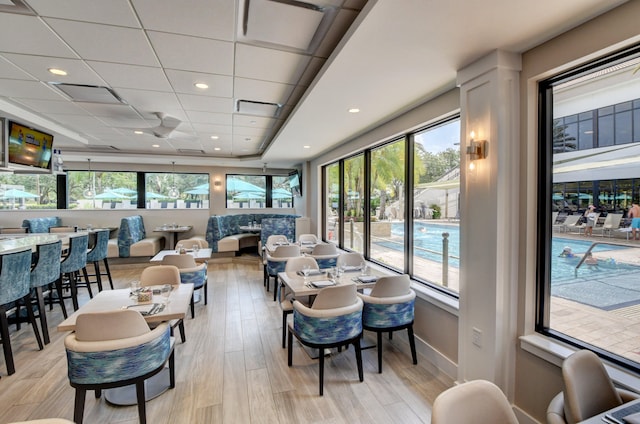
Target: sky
[{"x": 440, "y": 138}]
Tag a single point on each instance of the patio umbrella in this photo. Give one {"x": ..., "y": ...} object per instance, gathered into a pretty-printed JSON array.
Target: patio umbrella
[
  {"x": 152, "y": 195},
  {"x": 110, "y": 195},
  {"x": 248, "y": 195},
  {"x": 197, "y": 190},
  {"x": 124, "y": 190},
  {"x": 281, "y": 193},
  {"x": 13, "y": 193},
  {"x": 236, "y": 185},
  {"x": 204, "y": 186}
]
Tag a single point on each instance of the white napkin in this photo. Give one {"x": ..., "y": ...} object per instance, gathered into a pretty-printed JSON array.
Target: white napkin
[{"x": 322, "y": 283}]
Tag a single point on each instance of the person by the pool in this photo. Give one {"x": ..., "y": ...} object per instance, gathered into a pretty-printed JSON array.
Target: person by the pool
[
  {"x": 634, "y": 214},
  {"x": 567, "y": 252}
]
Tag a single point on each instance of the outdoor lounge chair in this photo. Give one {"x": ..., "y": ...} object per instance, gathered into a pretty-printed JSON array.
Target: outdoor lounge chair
[
  {"x": 569, "y": 222},
  {"x": 611, "y": 223}
]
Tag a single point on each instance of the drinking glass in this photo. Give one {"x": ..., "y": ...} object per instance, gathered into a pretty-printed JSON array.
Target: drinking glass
[
  {"x": 331, "y": 274},
  {"x": 305, "y": 271},
  {"x": 363, "y": 268},
  {"x": 134, "y": 288},
  {"x": 196, "y": 248},
  {"x": 165, "y": 292}
]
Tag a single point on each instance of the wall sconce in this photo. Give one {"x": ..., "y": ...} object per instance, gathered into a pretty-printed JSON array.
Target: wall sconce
[
  {"x": 217, "y": 183},
  {"x": 476, "y": 150}
]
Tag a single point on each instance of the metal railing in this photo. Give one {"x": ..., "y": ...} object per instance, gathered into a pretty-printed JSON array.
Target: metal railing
[{"x": 588, "y": 252}]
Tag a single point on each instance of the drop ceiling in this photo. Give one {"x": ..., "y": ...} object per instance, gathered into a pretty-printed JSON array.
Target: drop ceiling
[{"x": 281, "y": 74}]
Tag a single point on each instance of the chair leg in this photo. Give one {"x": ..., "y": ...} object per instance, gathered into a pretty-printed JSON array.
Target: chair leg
[
  {"x": 142, "y": 410},
  {"x": 58, "y": 285},
  {"x": 74, "y": 290},
  {"x": 32, "y": 320},
  {"x": 412, "y": 344},
  {"x": 358, "y": 350},
  {"x": 284, "y": 329},
  {"x": 321, "y": 369},
  {"x": 205, "y": 288},
  {"x": 6, "y": 342},
  {"x": 183, "y": 336},
  {"x": 379, "y": 336},
  {"x": 290, "y": 348},
  {"x": 78, "y": 409},
  {"x": 106, "y": 267},
  {"x": 96, "y": 267},
  {"x": 193, "y": 309},
  {"x": 172, "y": 370},
  {"x": 43, "y": 315}
]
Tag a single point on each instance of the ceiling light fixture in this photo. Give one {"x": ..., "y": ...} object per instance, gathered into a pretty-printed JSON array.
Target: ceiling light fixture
[
  {"x": 90, "y": 192},
  {"x": 56, "y": 71},
  {"x": 354, "y": 110},
  {"x": 214, "y": 137},
  {"x": 217, "y": 149},
  {"x": 138, "y": 132},
  {"x": 306, "y": 147},
  {"x": 201, "y": 85},
  {"x": 173, "y": 191},
  {"x": 155, "y": 145}
]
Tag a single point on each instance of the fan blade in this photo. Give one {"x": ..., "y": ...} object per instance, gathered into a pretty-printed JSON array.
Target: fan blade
[{"x": 167, "y": 121}]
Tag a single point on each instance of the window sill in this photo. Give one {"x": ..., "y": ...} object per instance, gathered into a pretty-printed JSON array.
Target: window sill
[
  {"x": 436, "y": 298},
  {"x": 555, "y": 352}
]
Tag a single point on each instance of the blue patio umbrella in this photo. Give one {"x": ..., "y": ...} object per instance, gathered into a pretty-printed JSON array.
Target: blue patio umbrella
[
  {"x": 280, "y": 193},
  {"x": 204, "y": 186},
  {"x": 197, "y": 190},
  {"x": 237, "y": 185},
  {"x": 13, "y": 193},
  {"x": 124, "y": 190},
  {"x": 152, "y": 195},
  {"x": 110, "y": 195}
]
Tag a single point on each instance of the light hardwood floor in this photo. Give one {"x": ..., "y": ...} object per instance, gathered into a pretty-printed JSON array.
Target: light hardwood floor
[{"x": 232, "y": 369}]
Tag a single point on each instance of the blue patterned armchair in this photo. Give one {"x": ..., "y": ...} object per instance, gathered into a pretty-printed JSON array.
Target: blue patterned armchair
[
  {"x": 277, "y": 261},
  {"x": 334, "y": 320},
  {"x": 190, "y": 272},
  {"x": 115, "y": 349},
  {"x": 390, "y": 307}
]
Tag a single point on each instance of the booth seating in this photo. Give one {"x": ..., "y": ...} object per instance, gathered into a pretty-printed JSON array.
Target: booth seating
[
  {"x": 41, "y": 225},
  {"x": 224, "y": 233},
  {"x": 133, "y": 240}
]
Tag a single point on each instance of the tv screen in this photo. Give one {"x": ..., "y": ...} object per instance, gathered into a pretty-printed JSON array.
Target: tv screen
[
  {"x": 29, "y": 147},
  {"x": 295, "y": 184}
]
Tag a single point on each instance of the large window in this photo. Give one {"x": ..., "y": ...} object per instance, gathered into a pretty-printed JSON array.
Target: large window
[
  {"x": 590, "y": 155},
  {"x": 28, "y": 191},
  {"x": 101, "y": 190},
  {"x": 258, "y": 191},
  {"x": 398, "y": 203},
  {"x": 176, "y": 191}
]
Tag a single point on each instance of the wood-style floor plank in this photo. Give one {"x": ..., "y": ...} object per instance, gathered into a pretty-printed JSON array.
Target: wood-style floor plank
[{"x": 232, "y": 369}]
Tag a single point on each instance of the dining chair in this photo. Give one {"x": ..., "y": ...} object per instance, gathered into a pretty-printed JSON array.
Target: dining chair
[
  {"x": 293, "y": 265},
  {"x": 334, "y": 320},
  {"x": 388, "y": 308},
  {"x": 160, "y": 275},
  {"x": 72, "y": 264},
  {"x": 351, "y": 259},
  {"x": 476, "y": 401},
  {"x": 326, "y": 254},
  {"x": 277, "y": 261},
  {"x": 308, "y": 239},
  {"x": 190, "y": 272},
  {"x": 44, "y": 272},
  {"x": 15, "y": 286},
  {"x": 270, "y": 241},
  {"x": 115, "y": 349},
  {"x": 588, "y": 390},
  {"x": 96, "y": 254},
  {"x": 190, "y": 242}
]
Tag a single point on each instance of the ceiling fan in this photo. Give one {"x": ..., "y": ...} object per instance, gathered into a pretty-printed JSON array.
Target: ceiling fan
[{"x": 167, "y": 128}]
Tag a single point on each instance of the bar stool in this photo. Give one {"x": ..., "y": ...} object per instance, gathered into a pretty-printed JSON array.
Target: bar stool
[
  {"x": 46, "y": 271},
  {"x": 14, "y": 288},
  {"x": 96, "y": 254},
  {"x": 72, "y": 264}
]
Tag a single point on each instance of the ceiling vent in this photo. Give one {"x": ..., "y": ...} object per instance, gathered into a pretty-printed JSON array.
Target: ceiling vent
[
  {"x": 15, "y": 6},
  {"x": 191, "y": 151},
  {"x": 250, "y": 107},
  {"x": 88, "y": 93},
  {"x": 291, "y": 24},
  {"x": 102, "y": 148}
]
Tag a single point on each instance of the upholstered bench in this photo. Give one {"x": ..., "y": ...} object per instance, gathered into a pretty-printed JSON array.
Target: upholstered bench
[
  {"x": 41, "y": 225},
  {"x": 224, "y": 233},
  {"x": 133, "y": 241}
]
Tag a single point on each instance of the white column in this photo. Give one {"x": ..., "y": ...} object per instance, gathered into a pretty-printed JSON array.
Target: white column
[{"x": 490, "y": 220}]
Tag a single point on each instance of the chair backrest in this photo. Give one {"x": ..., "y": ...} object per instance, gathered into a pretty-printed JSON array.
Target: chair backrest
[
  {"x": 324, "y": 249},
  {"x": 77, "y": 257},
  {"x": 298, "y": 263},
  {"x": 571, "y": 220},
  {"x": 307, "y": 238},
  {"x": 188, "y": 243},
  {"x": 391, "y": 286},
  {"x": 47, "y": 267},
  {"x": 160, "y": 274},
  {"x": 588, "y": 390},
  {"x": 14, "y": 275},
  {"x": 286, "y": 251},
  {"x": 350, "y": 259},
  {"x": 13, "y": 230},
  {"x": 336, "y": 297},
  {"x": 277, "y": 238},
  {"x": 110, "y": 325},
  {"x": 478, "y": 402},
  {"x": 612, "y": 220},
  {"x": 180, "y": 261},
  {"x": 99, "y": 250}
]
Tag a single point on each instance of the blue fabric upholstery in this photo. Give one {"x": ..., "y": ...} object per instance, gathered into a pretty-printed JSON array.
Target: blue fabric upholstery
[
  {"x": 14, "y": 275},
  {"x": 99, "y": 251},
  {"x": 387, "y": 315},
  {"x": 119, "y": 364},
  {"x": 41, "y": 225},
  {"x": 197, "y": 277},
  {"x": 327, "y": 330},
  {"x": 131, "y": 231},
  {"x": 221, "y": 226},
  {"x": 47, "y": 268},
  {"x": 278, "y": 225},
  {"x": 77, "y": 257}
]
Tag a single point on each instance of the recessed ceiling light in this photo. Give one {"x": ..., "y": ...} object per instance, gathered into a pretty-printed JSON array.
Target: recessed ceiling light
[
  {"x": 56, "y": 71},
  {"x": 306, "y": 147},
  {"x": 201, "y": 85},
  {"x": 247, "y": 139},
  {"x": 214, "y": 137},
  {"x": 217, "y": 148},
  {"x": 138, "y": 132},
  {"x": 155, "y": 145},
  {"x": 252, "y": 122},
  {"x": 354, "y": 110}
]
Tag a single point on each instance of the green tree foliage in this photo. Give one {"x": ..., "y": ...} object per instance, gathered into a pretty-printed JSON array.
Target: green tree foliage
[{"x": 436, "y": 165}]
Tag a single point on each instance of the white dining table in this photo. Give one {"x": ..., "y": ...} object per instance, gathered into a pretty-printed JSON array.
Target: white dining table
[{"x": 200, "y": 256}]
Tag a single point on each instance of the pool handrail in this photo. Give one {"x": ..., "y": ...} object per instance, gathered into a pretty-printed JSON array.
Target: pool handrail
[{"x": 594, "y": 244}]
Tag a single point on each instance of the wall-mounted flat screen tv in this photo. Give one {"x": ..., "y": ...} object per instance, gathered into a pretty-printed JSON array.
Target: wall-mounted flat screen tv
[
  {"x": 295, "y": 183},
  {"x": 29, "y": 147}
]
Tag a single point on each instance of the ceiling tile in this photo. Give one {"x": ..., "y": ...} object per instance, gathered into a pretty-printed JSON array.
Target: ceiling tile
[
  {"x": 61, "y": 107},
  {"x": 206, "y": 103},
  {"x": 208, "y": 130},
  {"x": 252, "y": 121},
  {"x": 28, "y": 90},
  {"x": 251, "y": 131},
  {"x": 150, "y": 101},
  {"x": 261, "y": 91},
  {"x": 210, "y": 118},
  {"x": 269, "y": 65},
  {"x": 132, "y": 76},
  {"x": 211, "y": 19},
  {"x": 11, "y": 71},
  {"x": 106, "y": 43},
  {"x": 183, "y": 82},
  {"x": 40, "y": 41},
  {"x": 193, "y": 54},
  {"x": 112, "y": 12},
  {"x": 77, "y": 71}
]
